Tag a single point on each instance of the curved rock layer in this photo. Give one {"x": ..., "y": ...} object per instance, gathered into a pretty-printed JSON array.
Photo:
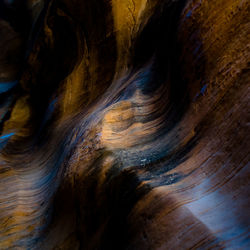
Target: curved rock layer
[{"x": 124, "y": 124}]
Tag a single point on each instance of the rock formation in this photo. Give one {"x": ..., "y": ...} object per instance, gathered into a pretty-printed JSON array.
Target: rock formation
[{"x": 124, "y": 124}]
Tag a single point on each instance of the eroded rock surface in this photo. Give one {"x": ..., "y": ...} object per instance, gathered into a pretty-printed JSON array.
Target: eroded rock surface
[{"x": 124, "y": 124}]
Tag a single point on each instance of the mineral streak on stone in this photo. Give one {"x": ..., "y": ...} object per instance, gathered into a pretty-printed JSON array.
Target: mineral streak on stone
[{"x": 124, "y": 124}]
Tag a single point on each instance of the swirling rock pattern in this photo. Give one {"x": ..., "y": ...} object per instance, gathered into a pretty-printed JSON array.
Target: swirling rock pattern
[{"x": 124, "y": 124}]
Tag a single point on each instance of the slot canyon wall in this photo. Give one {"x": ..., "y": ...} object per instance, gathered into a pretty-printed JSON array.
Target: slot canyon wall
[{"x": 124, "y": 124}]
